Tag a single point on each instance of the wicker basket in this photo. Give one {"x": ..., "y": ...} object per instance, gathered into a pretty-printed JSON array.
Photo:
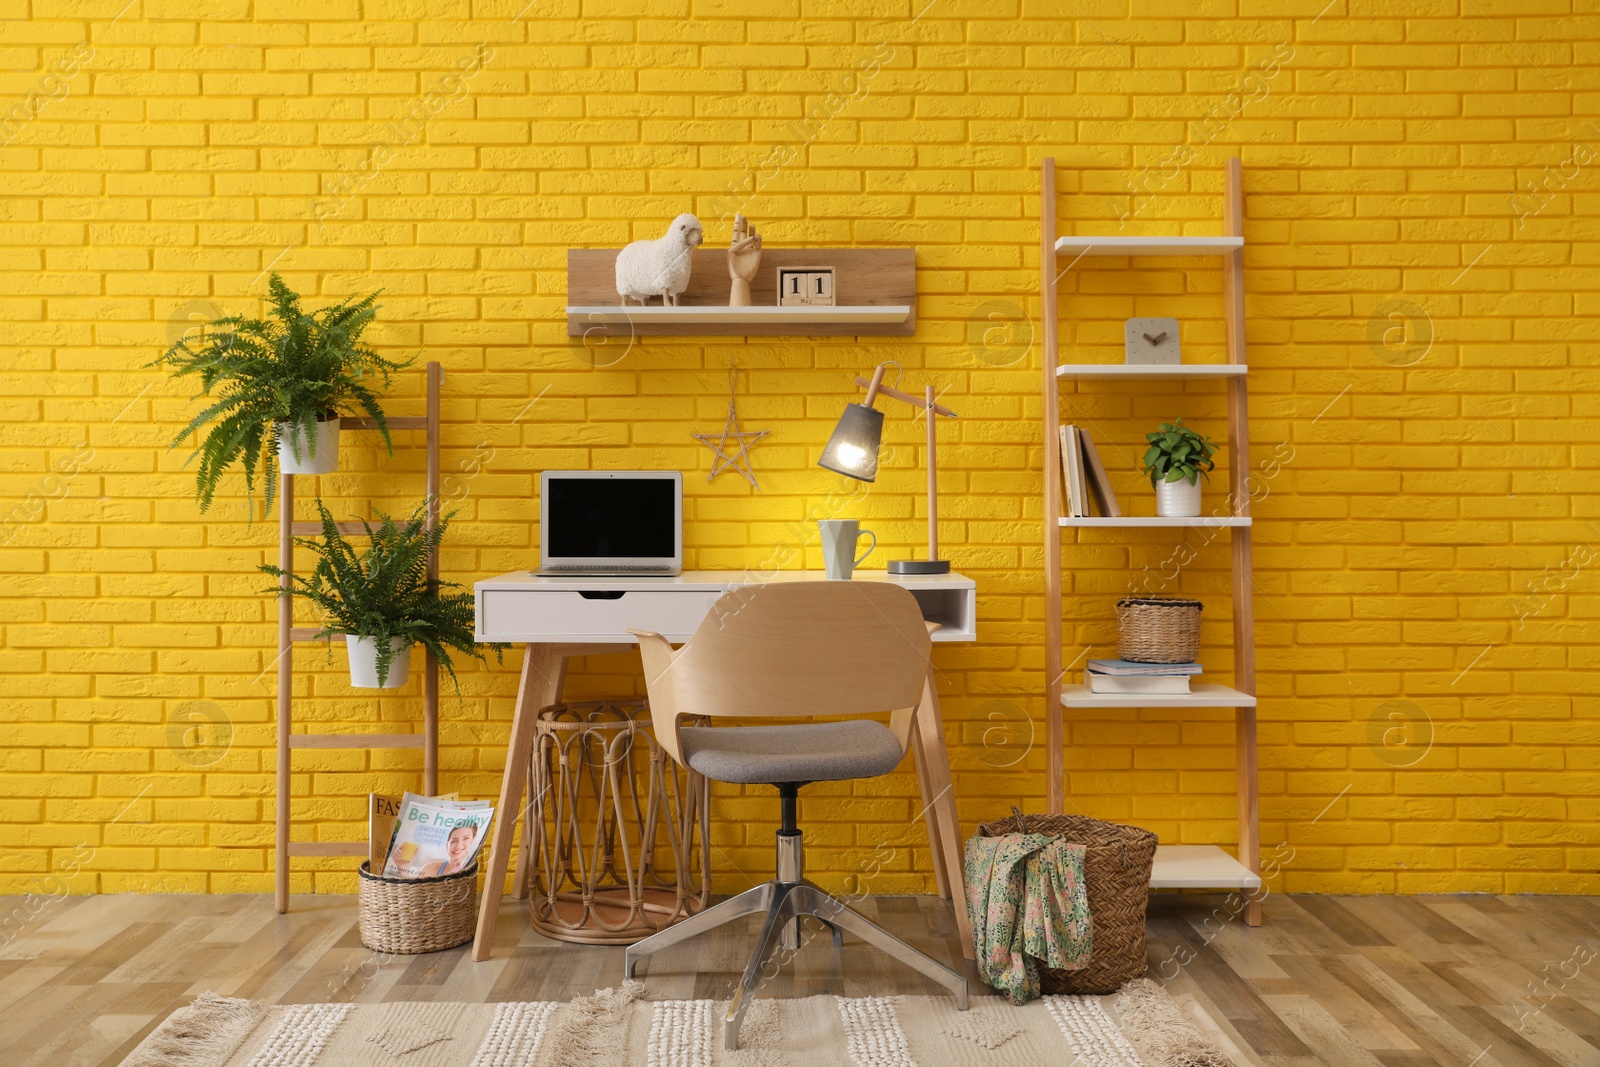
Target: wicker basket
[
  {"x": 1158, "y": 630},
  {"x": 406, "y": 916},
  {"x": 1116, "y": 867}
]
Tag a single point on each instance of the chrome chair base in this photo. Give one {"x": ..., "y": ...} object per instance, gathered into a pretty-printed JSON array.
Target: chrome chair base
[{"x": 785, "y": 903}]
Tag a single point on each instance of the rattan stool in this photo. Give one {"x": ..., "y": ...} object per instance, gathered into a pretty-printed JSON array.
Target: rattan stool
[{"x": 600, "y": 870}]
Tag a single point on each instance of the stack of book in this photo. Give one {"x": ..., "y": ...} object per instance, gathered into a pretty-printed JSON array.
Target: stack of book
[
  {"x": 1125, "y": 676},
  {"x": 1083, "y": 476}
]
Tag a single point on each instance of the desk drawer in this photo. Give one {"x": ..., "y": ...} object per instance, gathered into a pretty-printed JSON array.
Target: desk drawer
[{"x": 562, "y": 614}]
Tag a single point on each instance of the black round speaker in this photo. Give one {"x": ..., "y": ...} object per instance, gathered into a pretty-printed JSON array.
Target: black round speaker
[{"x": 919, "y": 566}]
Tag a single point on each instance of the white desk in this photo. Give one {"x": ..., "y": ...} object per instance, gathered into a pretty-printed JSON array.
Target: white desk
[
  {"x": 523, "y": 607},
  {"x": 562, "y": 617}
]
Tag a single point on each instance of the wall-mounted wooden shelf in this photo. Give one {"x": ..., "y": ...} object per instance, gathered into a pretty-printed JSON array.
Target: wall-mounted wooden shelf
[
  {"x": 877, "y": 288},
  {"x": 802, "y": 319}
]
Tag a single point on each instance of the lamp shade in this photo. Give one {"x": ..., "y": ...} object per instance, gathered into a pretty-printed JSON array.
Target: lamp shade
[{"x": 853, "y": 449}]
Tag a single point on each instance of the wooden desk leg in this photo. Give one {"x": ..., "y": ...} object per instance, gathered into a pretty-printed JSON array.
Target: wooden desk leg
[
  {"x": 519, "y": 876},
  {"x": 942, "y": 786},
  {"x": 929, "y": 816},
  {"x": 543, "y": 667}
]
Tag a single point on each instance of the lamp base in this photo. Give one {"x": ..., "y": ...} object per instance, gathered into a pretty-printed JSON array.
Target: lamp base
[{"x": 919, "y": 566}]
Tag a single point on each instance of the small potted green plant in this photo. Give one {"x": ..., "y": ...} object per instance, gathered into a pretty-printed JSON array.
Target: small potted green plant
[
  {"x": 1175, "y": 461},
  {"x": 382, "y": 600},
  {"x": 280, "y": 385}
]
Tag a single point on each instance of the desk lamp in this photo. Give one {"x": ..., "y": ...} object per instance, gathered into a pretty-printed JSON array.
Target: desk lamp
[{"x": 853, "y": 452}]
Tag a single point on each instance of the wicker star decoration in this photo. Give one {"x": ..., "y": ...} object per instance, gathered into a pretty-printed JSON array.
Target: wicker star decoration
[{"x": 738, "y": 458}]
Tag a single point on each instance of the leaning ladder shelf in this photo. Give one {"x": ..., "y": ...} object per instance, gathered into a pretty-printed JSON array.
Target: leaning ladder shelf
[
  {"x": 290, "y": 635},
  {"x": 1176, "y": 866}
]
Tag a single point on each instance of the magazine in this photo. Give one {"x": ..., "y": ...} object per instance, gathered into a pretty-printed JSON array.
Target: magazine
[
  {"x": 383, "y": 815},
  {"x": 383, "y": 819},
  {"x": 437, "y": 837}
]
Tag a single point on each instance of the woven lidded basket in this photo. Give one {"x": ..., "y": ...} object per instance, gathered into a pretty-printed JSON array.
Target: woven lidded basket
[
  {"x": 406, "y": 916},
  {"x": 1116, "y": 870},
  {"x": 1158, "y": 630}
]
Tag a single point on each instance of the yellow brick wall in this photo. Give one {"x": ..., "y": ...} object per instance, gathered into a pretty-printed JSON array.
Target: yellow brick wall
[{"x": 1421, "y": 278}]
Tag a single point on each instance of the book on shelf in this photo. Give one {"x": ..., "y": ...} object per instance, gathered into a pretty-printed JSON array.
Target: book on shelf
[
  {"x": 1083, "y": 477},
  {"x": 1068, "y": 441},
  {"x": 1147, "y": 685},
  {"x": 435, "y": 837},
  {"x": 1098, "y": 481},
  {"x": 1128, "y": 668},
  {"x": 1077, "y": 504},
  {"x": 1066, "y": 482}
]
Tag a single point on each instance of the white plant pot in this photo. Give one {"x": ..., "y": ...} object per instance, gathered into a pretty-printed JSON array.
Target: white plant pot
[
  {"x": 363, "y": 653},
  {"x": 1178, "y": 500},
  {"x": 323, "y": 458}
]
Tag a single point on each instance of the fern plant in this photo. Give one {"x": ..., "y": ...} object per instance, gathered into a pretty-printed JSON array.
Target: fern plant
[
  {"x": 1175, "y": 452},
  {"x": 295, "y": 369},
  {"x": 384, "y": 592}
]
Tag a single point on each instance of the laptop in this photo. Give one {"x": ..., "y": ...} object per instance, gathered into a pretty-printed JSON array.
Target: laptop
[{"x": 611, "y": 522}]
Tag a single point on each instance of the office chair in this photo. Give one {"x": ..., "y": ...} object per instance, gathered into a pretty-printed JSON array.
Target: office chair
[{"x": 795, "y": 649}]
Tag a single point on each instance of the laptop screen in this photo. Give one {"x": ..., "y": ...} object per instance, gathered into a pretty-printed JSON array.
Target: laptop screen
[{"x": 602, "y": 518}]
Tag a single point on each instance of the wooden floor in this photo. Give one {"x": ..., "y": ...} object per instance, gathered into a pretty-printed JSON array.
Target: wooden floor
[{"x": 1402, "y": 982}]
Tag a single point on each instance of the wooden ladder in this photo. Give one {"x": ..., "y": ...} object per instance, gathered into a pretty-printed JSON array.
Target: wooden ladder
[
  {"x": 290, "y": 635},
  {"x": 1241, "y": 698}
]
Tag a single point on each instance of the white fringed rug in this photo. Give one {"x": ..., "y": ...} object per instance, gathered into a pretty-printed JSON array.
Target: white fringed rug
[{"x": 1138, "y": 1027}]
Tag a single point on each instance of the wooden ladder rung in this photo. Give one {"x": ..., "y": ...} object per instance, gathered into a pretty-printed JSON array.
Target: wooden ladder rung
[
  {"x": 328, "y": 849},
  {"x": 355, "y": 740},
  {"x": 305, "y": 635},
  {"x": 396, "y": 422},
  {"x": 312, "y": 527}
]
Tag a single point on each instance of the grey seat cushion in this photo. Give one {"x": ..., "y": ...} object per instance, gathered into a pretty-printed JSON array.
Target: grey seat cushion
[{"x": 809, "y": 752}]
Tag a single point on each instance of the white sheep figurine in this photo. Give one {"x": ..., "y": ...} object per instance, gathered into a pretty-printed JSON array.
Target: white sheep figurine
[{"x": 659, "y": 267}]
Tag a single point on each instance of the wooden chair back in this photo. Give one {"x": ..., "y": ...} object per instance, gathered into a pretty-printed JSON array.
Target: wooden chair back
[{"x": 830, "y": 648}]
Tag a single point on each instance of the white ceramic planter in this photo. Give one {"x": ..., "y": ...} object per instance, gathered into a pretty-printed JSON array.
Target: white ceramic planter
[
  {"x": 363, "y": 653},
  {"x": 298, "y": 456},
  {"x": 1178, "y": 500}
]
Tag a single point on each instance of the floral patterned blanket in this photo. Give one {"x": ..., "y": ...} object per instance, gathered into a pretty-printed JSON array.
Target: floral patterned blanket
[{"x": 1029, "y": 908}]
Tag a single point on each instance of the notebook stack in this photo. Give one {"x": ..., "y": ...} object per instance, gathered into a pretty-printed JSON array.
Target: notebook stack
[{"x": 1125, "y": 676}]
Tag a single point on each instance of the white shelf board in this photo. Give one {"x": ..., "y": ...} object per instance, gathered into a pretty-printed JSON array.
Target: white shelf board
[
  {"x": 1148, "y": 246},
  {"x": 1151, "y": 370},
  {"x": 1199, "y": 867},
  {"x": 1155, "y": 520},
  {"x": 1202, "y": 695},
  {"x": 613, "y": 315}
]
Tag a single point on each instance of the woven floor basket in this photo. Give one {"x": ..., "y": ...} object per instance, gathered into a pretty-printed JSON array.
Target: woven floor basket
[
  {"x": 1116, "y": 866},
  {"x": 1158, "y": 630},
  {"x": 406, "y": 916}
]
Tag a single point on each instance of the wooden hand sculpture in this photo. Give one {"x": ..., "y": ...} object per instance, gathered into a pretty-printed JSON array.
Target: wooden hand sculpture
[{"x": 744, "y": 259}]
